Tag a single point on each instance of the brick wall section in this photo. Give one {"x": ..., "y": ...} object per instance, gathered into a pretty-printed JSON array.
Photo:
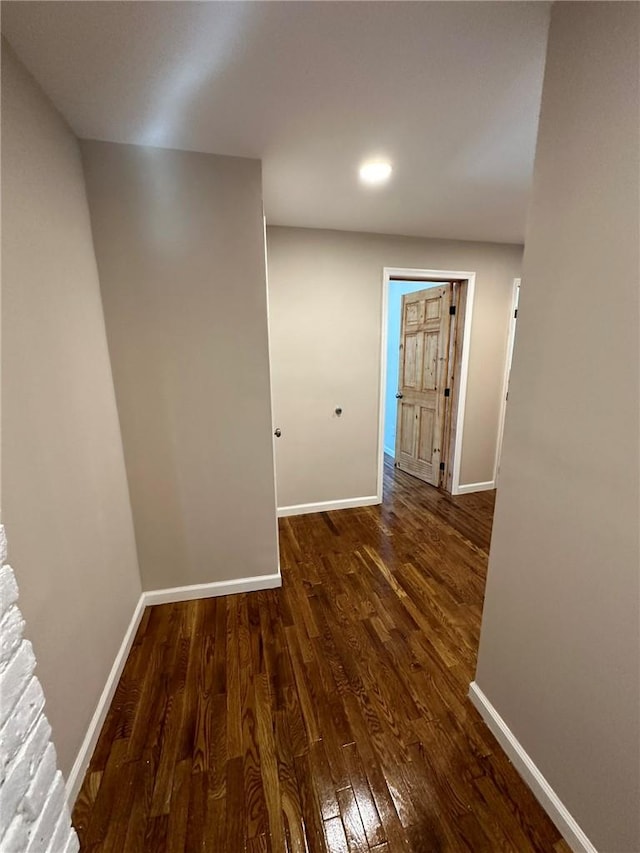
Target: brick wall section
[{"x": 34, "y": 817}]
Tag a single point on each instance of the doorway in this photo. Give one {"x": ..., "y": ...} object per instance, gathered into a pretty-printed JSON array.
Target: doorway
[
  {"x": 411, "y": 350},
  {"x": 424, "y": 365}
]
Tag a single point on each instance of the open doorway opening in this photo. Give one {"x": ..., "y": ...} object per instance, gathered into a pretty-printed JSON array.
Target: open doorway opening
[
  {"x": 425, "y": 354},
  {"x": 397, "y": 289}
]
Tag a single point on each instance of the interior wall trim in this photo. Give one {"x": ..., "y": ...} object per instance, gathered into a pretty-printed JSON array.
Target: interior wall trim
[
  {"x": 76, "y": 775},
  {"x": 327, "y": 506},
  {"x": 211, "y": 590},
  {"x": 467, "y": 488},
  {"x": 149, "y": 598},
  {"x": 526, "y": 767}
]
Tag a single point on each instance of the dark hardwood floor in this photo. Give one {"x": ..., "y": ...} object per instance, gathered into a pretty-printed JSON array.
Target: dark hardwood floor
[{"x": 330, "y": 715}]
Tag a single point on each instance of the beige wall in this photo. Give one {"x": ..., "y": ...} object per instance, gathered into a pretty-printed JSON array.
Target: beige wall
[
  {"x": 180, "y": 246},
  {"x": 560, "y": 646},
  {"x": 64, "y": 492},
  {"x": 325, "y": 298}
]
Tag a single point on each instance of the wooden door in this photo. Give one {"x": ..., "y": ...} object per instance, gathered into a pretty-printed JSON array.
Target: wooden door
[{"x": 422, "y": 374}]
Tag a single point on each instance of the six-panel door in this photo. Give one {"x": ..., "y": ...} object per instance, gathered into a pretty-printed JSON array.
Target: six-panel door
[{"x": 424, "y": 347}]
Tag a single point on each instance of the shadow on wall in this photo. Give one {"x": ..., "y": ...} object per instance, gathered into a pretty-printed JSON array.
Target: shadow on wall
[{"x": 397, "y": 289}]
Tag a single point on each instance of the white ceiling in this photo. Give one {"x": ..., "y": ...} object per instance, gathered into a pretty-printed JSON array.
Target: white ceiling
[{"x": 449, "y": 91}]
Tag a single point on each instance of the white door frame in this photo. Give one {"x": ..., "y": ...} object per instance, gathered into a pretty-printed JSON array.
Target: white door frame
[
  {"x": 460, "y": 394},
  {"x": 507, "y": 370}
]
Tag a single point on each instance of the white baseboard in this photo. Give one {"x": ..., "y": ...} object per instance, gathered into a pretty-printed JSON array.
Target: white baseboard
[
  {"x": 76, "y": 775},
  {"x": 151, "y": 597},
  {"x": 326, "y": 506},
  {"x": 544, "y": 793},
  {"x": 211, "y": 590},
  {"x": 475, "y": 487}
]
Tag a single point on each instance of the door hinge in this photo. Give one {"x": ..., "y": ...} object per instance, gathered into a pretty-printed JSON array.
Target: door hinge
[
  {"x": 515, "y": 314},
  {"x": 442, "y": 466},
  {"x": 452, "y": 310},
  {"x": 447, "y": 392}
]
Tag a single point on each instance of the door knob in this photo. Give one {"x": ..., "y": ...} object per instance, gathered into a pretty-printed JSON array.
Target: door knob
[
  {"x": 278, "y": 432},
  {"x": 399, "y": 396}
]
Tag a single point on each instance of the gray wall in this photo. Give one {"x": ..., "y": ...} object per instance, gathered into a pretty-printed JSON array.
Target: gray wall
[
  {"x": 559, "y": 652},
  {"x": 64, "y": 491},
  {"x": 325, "y": 299},
  {"x": 179, "y": 240}
]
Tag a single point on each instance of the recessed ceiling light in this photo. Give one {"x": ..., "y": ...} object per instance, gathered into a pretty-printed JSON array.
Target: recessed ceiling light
[{"x": 375, "y": 172}]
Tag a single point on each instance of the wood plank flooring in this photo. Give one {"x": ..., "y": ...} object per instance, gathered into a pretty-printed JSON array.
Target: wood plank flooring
[{"x": 330, "y": 715}]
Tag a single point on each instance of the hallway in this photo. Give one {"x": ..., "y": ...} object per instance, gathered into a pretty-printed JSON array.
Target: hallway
[{"x": 329, "y": 715}]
